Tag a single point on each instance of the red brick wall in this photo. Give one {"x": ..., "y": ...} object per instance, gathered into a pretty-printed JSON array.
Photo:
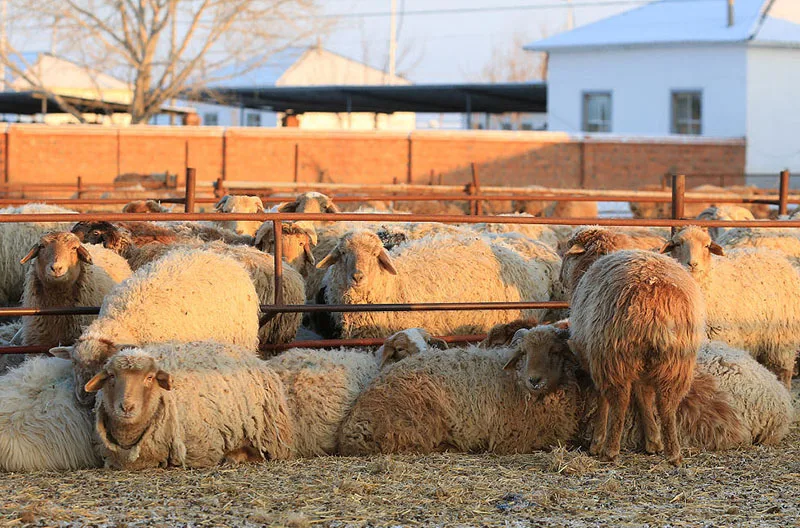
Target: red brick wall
[{"x": 41, "y": 154}]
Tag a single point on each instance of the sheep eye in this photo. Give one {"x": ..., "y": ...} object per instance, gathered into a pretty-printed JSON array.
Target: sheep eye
[{"x": 96, "y": 233}]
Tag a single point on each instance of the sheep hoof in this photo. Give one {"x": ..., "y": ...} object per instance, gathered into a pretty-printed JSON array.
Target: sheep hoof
[
  {"x": 651, "y": 447},
  {"x": 676, "y": 460},
  {"x": 609, "y": 457},
  {"x": 596, "y": 447}
]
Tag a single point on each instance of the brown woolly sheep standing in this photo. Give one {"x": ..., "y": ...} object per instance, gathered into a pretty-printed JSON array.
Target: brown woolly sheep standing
[{"x": 637, "y": 321}]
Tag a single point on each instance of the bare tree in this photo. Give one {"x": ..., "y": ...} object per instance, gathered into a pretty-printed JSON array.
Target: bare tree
[
  {"x": 511, "y": 63},
  {"x": 164, "y": 48}
]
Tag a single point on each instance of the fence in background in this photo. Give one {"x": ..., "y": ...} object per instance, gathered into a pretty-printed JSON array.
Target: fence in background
[{"x": 678, "y": 199}]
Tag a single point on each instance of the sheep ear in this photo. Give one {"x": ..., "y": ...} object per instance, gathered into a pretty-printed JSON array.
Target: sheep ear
[
  {"x": 511, "y": 364},
  {"x": 332, "y": 208},
  {"x": 63, "y": 352},
  {"x": 386, "y": 263},
  {"x": 519, "y": 335},
  {"x": 164, "y": 380},
  {"x": 290, "y": 207},
  {"x": 259, "y": 204},
  {"x": 388, "y": 353},
  {"x": 83, "y": 255},
  {"x": 716, "y": 249},
  {"x": 309, "y": 255},
  {"x": 329, "y": 260},
  {"x": 576, "y": 249},
  {"x": 33, "y": 253},
  {"x": 221, "y": 203},
  {"x": 259, "y": 237},
  {"x": 97, "y": 382},
  {"x": 666, "y": 248}
]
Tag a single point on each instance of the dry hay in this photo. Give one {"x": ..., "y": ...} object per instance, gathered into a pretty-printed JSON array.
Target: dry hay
[{"x": 755, "y": 486}]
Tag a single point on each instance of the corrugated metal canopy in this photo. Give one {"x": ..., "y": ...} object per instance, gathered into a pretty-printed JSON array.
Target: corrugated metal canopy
[
  {"x": 435, "y": 98},
  {"x": 31, "y": 103}
]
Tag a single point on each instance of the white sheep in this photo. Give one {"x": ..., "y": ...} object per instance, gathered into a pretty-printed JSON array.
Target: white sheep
[
  {"x": 17, "y": 238},
  {"x": 239, "y": 204},
  {"x": 785, "y": 241},
  {"x": 405, "y": 343},
  {"x": 189, "y": 405},
  {"x": 433, "y": 269},
  {"x": 185, "y": 296},
  {"x": 298, "y": 240},
  {"x": 321, "y": 387},
  {"x": 458, "y": 399},
  {"x": 539, "y": 232},
  {"x": 66, "y": 273},
  {"x": 42, "y": 426},
  {"x": 752, "y": 297},
  {"x": 637, "y": 320}
]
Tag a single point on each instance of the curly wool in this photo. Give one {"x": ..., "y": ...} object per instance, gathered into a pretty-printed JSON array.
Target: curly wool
[
  {"x": 321, "y": 387},
  {"x": 783, "y": 241},
  {"x": 185, "y": 296},
  {"x": 433, "y": 269},
  {"x": 42, "y": 426},
  {"x": 459, "y": 399},
  {"x": 222, "y": 401}
]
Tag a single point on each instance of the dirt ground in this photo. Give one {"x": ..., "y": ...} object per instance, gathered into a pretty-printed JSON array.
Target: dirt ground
[{"x": 756, "y": 486}]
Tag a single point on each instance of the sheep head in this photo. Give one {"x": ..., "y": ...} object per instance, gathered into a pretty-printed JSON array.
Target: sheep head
[
  {"x": 144, "y": 206},
  {"x": 547, "y": 358},
  {"x": 132, "y": 385},
  {"x": 361, "y": 257},
  {"x": 724, "y": 212},
  {"x": 310, "y": 202},
  {"x": 407, "y": 343},
  {"x": 240, "y": 204},
  {"x": 58, "y": 258},
  {"x": 112, "y": 237},
  {"x": 298, "y": 238},
  {"x": 582, "y": 250},
  {"x": 502, "y": 334},
  {"x": 693, "y": 247}
]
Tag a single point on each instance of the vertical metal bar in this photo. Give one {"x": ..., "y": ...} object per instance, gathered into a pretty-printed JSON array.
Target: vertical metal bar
[
  {"x": 190, "y": 188},
  {"x": 277, "y": 228},
  {"x": 678, "y": 190},
  {"x": 476, "y": 189},
  {"x": 783, "y": 204},
  {"x": 409, "y": 166},
  {"x": 296, "y": 162},
  {"x": 430, "y": 180},
  {"x": 219, "y": 188},
  {"x": 80, "y": 186}
]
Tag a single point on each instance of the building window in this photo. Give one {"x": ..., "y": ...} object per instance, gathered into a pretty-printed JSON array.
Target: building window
[
  {"x": 687, "y": 112},
  {"x": 211, "y": 119},
  {"x": 597, "y": 112},
  {"x": 254, "y": 120}
]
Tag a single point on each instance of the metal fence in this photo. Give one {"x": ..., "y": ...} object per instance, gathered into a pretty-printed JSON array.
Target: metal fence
[{"x": 677, "y": 198}]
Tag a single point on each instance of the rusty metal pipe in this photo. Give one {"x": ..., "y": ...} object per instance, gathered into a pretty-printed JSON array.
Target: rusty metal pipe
[
  {"x": 191, "y": 175},
  {"x": 783, "y": 199},
  {"x": 371, "y": 342},
  {"x": 277, "y": 227}
]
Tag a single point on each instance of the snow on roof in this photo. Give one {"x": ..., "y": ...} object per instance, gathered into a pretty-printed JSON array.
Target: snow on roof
[{"x": 767, "y": 22}]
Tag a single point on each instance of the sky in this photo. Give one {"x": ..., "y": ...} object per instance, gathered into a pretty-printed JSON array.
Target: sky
[{"x": 451, "y": 47}]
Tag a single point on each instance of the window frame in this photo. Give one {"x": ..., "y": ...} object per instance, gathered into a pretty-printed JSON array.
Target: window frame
[
  {"x": 693, "y": 126},
  {"x": 604, "y": 126},
  {"x": 255, "y": 116},
  {"x": 206, "y": 115}
]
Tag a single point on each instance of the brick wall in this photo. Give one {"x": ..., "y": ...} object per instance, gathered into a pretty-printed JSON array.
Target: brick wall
[{"x": 41, "y": 154}]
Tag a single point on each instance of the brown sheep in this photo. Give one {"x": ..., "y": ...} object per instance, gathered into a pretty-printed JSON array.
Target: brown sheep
[
  {"x": 637, "y": 321},
  {"x": 145, "y": 206}
]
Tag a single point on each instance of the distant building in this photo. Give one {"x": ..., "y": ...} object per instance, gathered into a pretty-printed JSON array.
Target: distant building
[
  {"x": 308, "y": 66},
  {"x": 684, "y": 68}
]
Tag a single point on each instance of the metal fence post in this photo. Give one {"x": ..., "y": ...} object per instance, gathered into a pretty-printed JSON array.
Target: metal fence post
[
  {"x": 678, "y": 190},
  {"x": 277, "y": 227},
  {"x": 475, "y": 189},
  {"x": 783, "y": 202},
  {"x": 191, "y": 174}
]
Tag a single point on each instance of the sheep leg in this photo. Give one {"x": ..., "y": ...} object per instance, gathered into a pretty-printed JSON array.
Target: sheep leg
[
  {"x": 785, "y": 377},
  {"x": 645, "y": 404},
  {"x": 667, "y": 406},
  {"x": 622, "y": 398},
  {"x": 600, "y": 426}
]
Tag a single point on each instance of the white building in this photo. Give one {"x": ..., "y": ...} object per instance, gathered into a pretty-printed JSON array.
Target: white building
[
  {"x": 685, "y": 68},
  {"x": 308, "y": 66}
]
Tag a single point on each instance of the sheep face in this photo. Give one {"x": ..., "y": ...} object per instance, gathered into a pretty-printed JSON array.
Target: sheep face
[
  {"x": 545, "y": 351},
  {"x": 297, "y": 241},
  {"x": 310, "y": 202},
  {"x": 58, "y": 257},
  {"x": 693, "y": 247},
  {"x": 240, "y": 204},
  {"x": 105, "y": 233},
  {"x": 407, "y": 343},
  {"x": 132, "y": 385},
  {"x": 361, "y": 257}
]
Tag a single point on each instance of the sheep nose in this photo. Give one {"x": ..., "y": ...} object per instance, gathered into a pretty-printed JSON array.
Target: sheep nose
[
  {"x": 692, "y": 264},
  {"x": 57, "y": 270},
  {"x": 358, "y": 277},
  {"x": 127, "y": 407},
  {"x": 534, "y": 382}
]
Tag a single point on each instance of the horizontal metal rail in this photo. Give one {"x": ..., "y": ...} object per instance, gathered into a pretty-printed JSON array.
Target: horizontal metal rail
[
  {"x": 316, "y": 308},
  {"x": 392, "y": 217},
  {"x": 364, "y": 342}
]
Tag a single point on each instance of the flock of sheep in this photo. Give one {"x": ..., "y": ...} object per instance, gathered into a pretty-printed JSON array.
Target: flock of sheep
[{"x": 671, "y": 340}]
